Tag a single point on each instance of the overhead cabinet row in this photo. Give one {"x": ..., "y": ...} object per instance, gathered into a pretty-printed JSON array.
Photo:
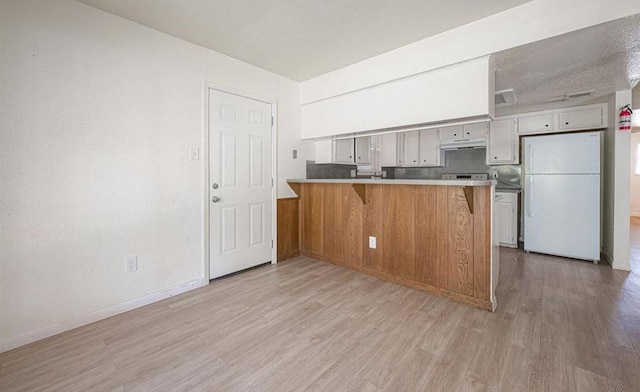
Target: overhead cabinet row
[
  {"x": 424, "y": 148},
  {"x": 562, "y": 120}
]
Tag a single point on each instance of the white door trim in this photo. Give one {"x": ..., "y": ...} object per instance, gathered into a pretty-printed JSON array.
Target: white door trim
[{"x": 208, "y": 85}]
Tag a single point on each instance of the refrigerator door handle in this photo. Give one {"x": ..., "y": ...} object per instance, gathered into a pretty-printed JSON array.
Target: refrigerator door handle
[{"x": 529, "y": 195}]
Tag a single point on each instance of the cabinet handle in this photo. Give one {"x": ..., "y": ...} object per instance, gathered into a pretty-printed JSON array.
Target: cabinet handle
[
  {"x": 546, "y": 125},
  {"x": 566, "y": 123}
]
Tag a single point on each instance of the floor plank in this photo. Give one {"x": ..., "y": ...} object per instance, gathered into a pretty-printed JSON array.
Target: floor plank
[{"x": 561, "y": 325}]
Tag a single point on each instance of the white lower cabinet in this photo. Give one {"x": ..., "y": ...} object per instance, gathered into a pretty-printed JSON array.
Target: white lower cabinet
[{"x": 507, "y": 212}]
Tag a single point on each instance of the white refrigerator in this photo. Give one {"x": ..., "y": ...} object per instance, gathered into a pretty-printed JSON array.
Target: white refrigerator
[{"x": 562, "y": 195}]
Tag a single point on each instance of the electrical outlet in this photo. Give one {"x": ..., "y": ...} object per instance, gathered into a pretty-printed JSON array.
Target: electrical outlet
[
  {"x": 295, "y": 154},
  {"x": 493, "y": 174},
  {"x": 131, "y": 263},
  {"x": 353, "y": 173},
  {"x": 372, "y": 242},
  {"x": 194, "y": 154}
]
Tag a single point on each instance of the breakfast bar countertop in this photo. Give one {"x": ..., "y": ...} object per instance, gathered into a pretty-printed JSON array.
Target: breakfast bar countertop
[{"x": 396, "y": 182}]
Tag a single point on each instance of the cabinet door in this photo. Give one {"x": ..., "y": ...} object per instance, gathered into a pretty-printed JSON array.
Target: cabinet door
[
  {"x": 502, "y": 146},
  {"x": 451, "y": 133},
  {"x": 429, "y": 148},
  {"x": 476, "y": 131},
  {"x": 411, "y": 148},
  {"x": 504, "y": 223},
  {"x": 506, "y": 206},
  {"x": 580, "y": 119},
  {"x": 389, "y": 150},
  {"x": 323, "y": 151},
  {"x": 343, "y": 151},
  {"x": 534, "y": 124},
  {"x": 363, "y": 150}
]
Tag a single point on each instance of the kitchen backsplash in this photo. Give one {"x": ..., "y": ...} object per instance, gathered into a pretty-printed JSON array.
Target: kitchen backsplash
[{"x": 456, "y": 161}]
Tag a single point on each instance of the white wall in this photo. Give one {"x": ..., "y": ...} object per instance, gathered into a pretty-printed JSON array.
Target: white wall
[
  {"x": 533, "y": 21},
  {"x": 635, "y": 178},
  {"x": 616, "y": 185},
  {"x": 97, "y": 118}
]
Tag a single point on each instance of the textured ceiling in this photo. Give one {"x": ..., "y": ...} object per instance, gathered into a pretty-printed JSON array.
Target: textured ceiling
[
  {"x": 301, "y": 39},
  {"x": 603, "y": 58}
]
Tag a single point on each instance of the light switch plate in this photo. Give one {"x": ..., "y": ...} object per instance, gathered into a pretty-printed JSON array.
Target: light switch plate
[
  {"x": 131, "y": 263},
  {"x": 372, "y": 242}
]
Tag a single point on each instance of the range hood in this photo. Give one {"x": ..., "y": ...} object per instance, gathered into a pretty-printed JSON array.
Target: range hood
[{"x": 460, "y": 144}]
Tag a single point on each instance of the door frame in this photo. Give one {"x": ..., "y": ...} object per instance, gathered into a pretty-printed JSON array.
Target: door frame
[{"x": 209, "y": 85}]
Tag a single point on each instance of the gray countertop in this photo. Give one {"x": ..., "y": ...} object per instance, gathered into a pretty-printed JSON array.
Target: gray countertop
[
  {"x": 508, "y": 190},
  {"x": 398, "y": 182}
]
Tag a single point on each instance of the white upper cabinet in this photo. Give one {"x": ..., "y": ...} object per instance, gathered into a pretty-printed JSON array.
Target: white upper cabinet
[
  {"x": 410, "y": 148},
  {"x": 503, "y": 143},
  {"x": 419, "y": 148},
  {"x": 535, "y": 124},
  {"x": 563, "y": 120},
  {"x": 324, "y": 151},
  {"x": 343, "y": 151},
  {"x": 430, "y": 153},
  {"x": 587, "y": 118},
  {"x": 363, "y": 150},
  {"x": 476, "y": 130},
  {"x": 452, "y": 133},
  {"x": 389, "y": 150}
]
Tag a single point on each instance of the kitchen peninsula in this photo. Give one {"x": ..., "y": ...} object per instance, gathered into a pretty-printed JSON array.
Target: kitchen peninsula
[{"x": 432, "y": 235}]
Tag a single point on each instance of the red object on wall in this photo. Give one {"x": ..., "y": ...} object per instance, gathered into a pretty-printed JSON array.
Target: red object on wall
[{"x": 625, "y": 118}]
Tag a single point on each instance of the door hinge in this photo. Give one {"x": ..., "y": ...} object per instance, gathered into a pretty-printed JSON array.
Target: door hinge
[
  {"x": 271, "y": 244},
  {"x": 272, "y": 182},
  {"x": 272, "y": 121}
]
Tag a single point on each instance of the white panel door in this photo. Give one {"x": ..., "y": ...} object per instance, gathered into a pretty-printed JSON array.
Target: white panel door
[
  {"x": 563, "y": 154},
  {"x": 562, "y": 215},
  {"x": 240, "y": 185}
]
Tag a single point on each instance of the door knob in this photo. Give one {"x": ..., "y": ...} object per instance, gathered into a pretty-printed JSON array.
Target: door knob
[{"x": 215, "y": 199}]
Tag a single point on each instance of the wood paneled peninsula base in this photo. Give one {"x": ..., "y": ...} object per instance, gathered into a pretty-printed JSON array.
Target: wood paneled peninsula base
[{"x": 432, "y": 235}]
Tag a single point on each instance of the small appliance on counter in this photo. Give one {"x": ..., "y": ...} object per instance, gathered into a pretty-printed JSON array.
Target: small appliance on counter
[{"x": 562, "y": 195}]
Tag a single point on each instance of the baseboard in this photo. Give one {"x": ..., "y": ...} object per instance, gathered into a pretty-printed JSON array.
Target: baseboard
[
  {"x": 7, "y": 344},
  {"x": 288, "y": 256},
  {"x": 637, "y": 215}
]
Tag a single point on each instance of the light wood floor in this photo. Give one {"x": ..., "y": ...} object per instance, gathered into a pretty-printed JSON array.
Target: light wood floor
[{"x": 305, "y": 325}]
